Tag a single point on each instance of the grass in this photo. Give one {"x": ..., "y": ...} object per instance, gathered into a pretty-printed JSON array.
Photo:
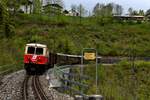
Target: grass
[
  {"x": 110, "y": 39},
  {"x": 119, "y": 82}
]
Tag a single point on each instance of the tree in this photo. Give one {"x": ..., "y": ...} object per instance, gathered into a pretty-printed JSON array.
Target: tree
[
  {"x": 109, "y": 9},
  {"x": 37, "y": 6},
  {"x": 134, "y": 12},
  {"x": 103, "y": 10},
  {"x": 141, "y": 12},
  {"x": 81, "y": 10},
  {"x": 118, "y": 9},
  {"x": 13, "y": 5},
  {"x": 59, "y": 2},
  {"x": 74, "y": 9},
  {"x": 27, "y": 3},
  {"x": 98, "y": 9},
  {"x": 148, "y": 12},
  {"x": 6, "y": 28},
  {"x": 130, "y": 10}
]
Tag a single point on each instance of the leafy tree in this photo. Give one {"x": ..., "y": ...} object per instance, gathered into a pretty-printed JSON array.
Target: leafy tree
[
  {"x": 37, "y": 6},
  {"x": 13, "y": 5},
  {"x": 109, "y": 9},
  {"x": 59, "y": 2},
  {"x": 141, "y": 12},
  {"x": 96, "y": 9},
  {"x": 26, "y": 3},
  {"x": 135, "y": 12},
  {"x": 147, "y": 12},
  {"x": 6, "y": 28},
  {"x": 130, "y": 10},
  {"x": 99, "y": 9},
  {"x": 74, "y": 9},
  {"x": 81, "y": 10},
  {"x": 103, "y": 10},
  {"x": 118, "y": 9}
]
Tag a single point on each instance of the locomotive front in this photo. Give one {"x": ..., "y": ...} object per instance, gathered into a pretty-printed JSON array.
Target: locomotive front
[{"x": 36, "y": 58}]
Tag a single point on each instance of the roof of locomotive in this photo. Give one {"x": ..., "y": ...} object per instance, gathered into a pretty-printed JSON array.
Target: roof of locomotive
[{"x": 37, "y": 45}]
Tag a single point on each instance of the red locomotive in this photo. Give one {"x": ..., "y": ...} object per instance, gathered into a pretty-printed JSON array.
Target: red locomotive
[{"x": 37, "y": 58}]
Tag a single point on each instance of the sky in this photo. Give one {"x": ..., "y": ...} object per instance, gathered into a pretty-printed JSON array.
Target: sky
[{"x": 89, "y": 4}]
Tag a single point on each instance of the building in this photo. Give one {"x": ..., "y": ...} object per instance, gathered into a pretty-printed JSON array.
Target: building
[
  {"x": 71, "y": 13},
  {"x": 129, "y": 18},
  {"x": 52, "y": 9},
  {"x": 26, "y": 7}
]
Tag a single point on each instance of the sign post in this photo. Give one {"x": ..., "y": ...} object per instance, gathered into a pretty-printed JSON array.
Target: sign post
[{"x": 90, "y": 54}]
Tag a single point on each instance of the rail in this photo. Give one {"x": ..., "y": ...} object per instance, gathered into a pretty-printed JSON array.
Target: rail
[
  {"x": 38, "y": 90},
  {"x": 25, "y": 88}
]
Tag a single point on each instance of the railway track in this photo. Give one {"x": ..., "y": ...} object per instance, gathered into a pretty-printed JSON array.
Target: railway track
[
  {"x": 38, "y": 90},
  {"x": 25, "y": 88}
]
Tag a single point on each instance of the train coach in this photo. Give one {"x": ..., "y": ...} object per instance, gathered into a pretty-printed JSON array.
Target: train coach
[{"x": 65, "y": 59}]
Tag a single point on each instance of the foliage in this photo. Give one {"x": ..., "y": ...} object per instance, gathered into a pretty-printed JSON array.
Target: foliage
[
  {"x": 6, "y": 27},
  {"x": 81, "y": 10},
  {"x": 37, "y": 6},
  {"x": 136, "y": 12},
  {"x": 107, "y": 10},
  {"x": 13, "y": 6},
  {"x": 118, "y": 82},
  {"x": 109, "y": 37},
  {"x": 148, "y": 12}
]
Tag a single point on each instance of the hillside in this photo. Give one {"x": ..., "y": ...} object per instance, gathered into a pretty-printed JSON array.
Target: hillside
[
  {"x": 70, "y": 34},
  {"x": 121, "y": 81}
]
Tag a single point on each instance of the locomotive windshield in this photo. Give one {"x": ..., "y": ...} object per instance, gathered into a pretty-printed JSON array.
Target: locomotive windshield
[
  {"x": 39, "y": 51},
  {"x": 33, "y": 50}
]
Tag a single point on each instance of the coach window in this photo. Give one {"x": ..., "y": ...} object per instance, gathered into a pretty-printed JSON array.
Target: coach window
[
  {"x": 39, "y": 51},
  {"x": 31, "y": 50}
]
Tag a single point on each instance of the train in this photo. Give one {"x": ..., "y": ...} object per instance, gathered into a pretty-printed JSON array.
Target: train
[{"x": 37, "y": 58}]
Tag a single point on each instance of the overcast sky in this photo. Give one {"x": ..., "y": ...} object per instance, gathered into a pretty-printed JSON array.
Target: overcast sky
[{"x": 89, "y": 4}]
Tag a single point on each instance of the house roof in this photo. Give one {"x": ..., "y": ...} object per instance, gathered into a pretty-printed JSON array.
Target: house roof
[
  {"x": 66, "y": 11},
  {"x": 127, "y": 16},
  {"x": 54, "y": 5},
  {"x": 29, "y": 2}
]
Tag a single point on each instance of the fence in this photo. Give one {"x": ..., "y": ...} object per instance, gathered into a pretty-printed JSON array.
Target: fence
[{"x": 72, "y": 82}]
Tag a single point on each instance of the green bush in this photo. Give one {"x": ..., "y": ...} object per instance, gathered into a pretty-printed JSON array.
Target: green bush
[{"x": 119, "y": 82}]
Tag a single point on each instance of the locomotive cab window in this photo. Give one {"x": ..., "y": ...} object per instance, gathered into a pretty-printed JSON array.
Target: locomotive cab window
[
  {"x": 39, "y": 51},
  {"x": 31, "y": 50}
]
